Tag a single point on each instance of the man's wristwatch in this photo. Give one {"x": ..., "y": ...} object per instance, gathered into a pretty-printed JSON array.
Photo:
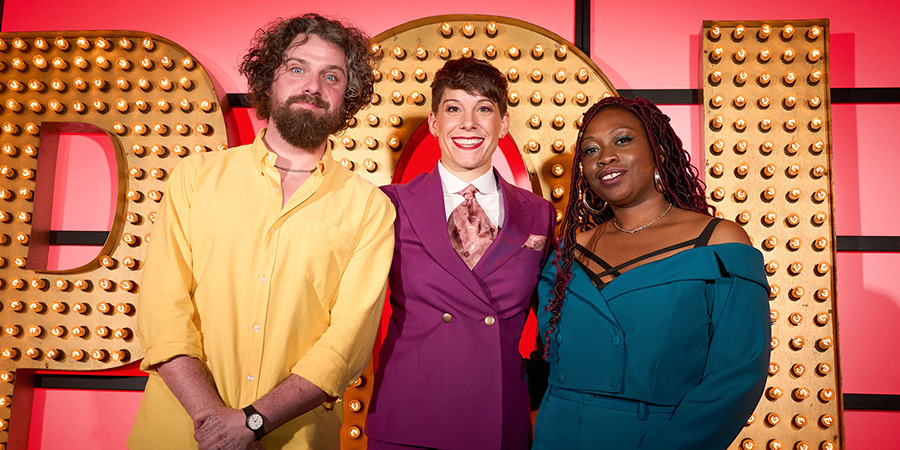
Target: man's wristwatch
[{"x": 255, "y": 422}]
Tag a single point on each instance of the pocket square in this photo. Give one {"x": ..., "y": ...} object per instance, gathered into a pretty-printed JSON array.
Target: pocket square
[{"x": 536, "y": 242}]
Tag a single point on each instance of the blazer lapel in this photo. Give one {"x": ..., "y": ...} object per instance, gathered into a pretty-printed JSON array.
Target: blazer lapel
[
  {"x": 580, "y": 286},
  {"x": 513, "y": 233},
  {"x": 424, "y": 207}
]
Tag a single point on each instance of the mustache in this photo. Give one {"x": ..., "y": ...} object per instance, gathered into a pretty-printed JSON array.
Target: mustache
[{"x": 311, "y": 99}]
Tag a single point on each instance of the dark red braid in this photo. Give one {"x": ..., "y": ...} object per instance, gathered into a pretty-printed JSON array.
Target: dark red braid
[{"x": 683, "y": 189}]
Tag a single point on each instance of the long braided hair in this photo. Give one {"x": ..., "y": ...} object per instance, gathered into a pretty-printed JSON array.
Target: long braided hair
[{"x": 681, "y": 180}]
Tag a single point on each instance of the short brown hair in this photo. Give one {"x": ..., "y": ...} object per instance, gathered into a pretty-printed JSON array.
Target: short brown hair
[
  {"x": 475, "y": 76},
  {"x": 268, "y": 51}
]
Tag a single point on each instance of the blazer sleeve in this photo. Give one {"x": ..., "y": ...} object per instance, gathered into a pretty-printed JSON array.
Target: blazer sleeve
[
  {"x": 545, "y": 294},
  {"x": 540, "y": 295},
  {"x": 537, "y": 370},
  {"x": 551, "y": 235},
  {"x": 711, "y": 414}
]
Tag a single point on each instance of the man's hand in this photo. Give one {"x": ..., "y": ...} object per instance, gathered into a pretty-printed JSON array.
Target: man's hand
[
  {"x": 223, "y": 428},
  {"x": 199, "y": 418}
]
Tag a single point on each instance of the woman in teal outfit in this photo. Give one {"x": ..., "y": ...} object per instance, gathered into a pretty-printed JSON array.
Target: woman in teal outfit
[{"x": 655, "y": 314}]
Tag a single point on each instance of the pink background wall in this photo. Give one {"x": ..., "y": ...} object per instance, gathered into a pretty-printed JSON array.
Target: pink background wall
[{"x": 640, "y": 44}]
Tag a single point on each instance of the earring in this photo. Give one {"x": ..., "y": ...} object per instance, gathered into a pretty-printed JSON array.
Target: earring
[
  {"x": 583, "y": 197},
  {"x": 658, "y": 182},
  {"x": 592, "y": 210}
]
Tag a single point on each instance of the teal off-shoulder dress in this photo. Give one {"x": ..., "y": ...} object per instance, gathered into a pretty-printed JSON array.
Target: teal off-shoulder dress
[{"x": 672, "y": 354}]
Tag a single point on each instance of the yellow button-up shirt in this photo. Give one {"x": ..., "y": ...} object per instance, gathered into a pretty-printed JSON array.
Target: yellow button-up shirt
[{"x": 257, "y": 291}]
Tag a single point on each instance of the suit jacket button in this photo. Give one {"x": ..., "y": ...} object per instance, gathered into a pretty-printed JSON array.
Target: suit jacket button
[
  {"x": 614, "y": 381},
  {"x": 446, "y": 317},
  {"x": 561, "y": 377},
  {"x": 489, "y": 320}
]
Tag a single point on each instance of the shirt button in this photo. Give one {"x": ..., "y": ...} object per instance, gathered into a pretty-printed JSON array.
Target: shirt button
[
  {"x": 262, "y": 279},
  {"x": 446, "y": 317},
  {"x": 270, "y": 157},
  {"x": 615, "y": 341},
  {"x": 272, "y": 231},
  {"x": 255, "y": 327},
  {"x": 249, "y": 377},
  {"x": 489, "y": 320}
]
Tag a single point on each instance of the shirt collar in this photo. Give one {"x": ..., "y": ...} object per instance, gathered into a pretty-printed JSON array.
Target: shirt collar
[
  {"x": 485, "y": 184},
  {"x": 265, "y": 158}
]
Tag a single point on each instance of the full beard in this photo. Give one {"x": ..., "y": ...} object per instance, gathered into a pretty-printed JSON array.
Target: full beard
[{"x": 304, "y": 128}]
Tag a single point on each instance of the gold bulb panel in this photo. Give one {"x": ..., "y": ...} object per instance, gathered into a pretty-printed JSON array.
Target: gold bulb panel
[
  {"x": 139, "y": 89},
  {"x": 551, "y": 84},
  {"x": 768, "y": 166}
]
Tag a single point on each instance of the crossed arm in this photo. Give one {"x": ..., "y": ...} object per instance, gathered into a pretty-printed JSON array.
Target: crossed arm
[{"x": 219, "y": 427}]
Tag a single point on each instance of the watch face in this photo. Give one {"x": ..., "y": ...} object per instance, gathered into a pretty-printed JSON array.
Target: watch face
[{"x": 255, "y": 421}]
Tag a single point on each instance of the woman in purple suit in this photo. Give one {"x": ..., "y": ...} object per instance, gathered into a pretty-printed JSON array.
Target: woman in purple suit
[{"x": 468, "y": 254}]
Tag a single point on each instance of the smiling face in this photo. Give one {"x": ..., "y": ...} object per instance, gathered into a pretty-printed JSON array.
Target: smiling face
[
  {"x": 468, "y": 128},
  {"x": 307, "y": 93},
  {"x": 617, "y": 158}
]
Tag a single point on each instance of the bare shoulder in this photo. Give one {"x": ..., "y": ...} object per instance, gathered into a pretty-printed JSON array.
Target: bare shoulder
[
  {"x": 725, "y": 232},
  {"x": 585, "y": 238},
  {"x": 729, "y": 232}
]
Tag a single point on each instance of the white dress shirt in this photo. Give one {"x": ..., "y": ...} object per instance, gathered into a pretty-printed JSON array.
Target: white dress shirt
[{"x": 488, "y": 195}]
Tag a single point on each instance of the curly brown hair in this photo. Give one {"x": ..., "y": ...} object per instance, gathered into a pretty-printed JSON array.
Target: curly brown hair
[
  {"x": 683, "y": 188},
  {"x": 267, "y": 55},
  {"x": 475, "y": 76}
]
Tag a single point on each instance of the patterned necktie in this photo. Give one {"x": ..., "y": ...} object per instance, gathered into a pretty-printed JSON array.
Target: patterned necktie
[{"x": 471, "y": 231}]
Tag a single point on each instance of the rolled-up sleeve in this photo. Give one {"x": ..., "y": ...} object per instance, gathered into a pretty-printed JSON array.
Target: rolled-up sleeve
[
  {"x": 342, "y": 352},
  {"x": 167, "y": 318}
]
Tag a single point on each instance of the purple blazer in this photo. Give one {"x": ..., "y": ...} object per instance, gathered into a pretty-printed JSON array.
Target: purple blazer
[{"x": 450, "y": 374}]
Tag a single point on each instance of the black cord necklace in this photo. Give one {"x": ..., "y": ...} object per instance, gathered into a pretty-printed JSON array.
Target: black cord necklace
[{"x": 294, "y": 170}]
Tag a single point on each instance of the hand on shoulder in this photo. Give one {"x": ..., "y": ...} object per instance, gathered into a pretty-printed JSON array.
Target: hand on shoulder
[{"x": 729, "y": 232}]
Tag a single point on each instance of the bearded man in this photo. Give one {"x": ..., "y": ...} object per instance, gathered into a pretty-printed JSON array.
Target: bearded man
[{"x": 264, "y": 284}]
